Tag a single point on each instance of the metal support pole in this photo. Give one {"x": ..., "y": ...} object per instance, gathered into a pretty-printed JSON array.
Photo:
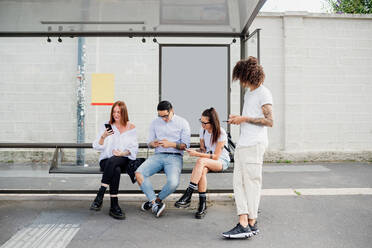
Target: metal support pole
[
  {"x": 243, "y": 41},
  {"x": 80, "y": 155},
  {"x": 258, "y": 45},
  {"x": 243, "y": 52}
]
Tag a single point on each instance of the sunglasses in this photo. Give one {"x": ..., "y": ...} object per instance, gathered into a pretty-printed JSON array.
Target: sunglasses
[
  {"x": 205, "y": 123},
  {"x": 164, "y": 116}
]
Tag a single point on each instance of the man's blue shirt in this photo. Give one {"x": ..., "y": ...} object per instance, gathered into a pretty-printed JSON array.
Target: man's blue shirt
[{"x": 176, "y": 130}]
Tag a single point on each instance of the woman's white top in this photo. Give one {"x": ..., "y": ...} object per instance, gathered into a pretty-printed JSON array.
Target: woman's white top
[
  {"x": 206, "y": 136},
  {"x": 122, "y": 142}
]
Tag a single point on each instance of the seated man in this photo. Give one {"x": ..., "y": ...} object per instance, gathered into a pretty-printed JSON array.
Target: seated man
[{"x": 169, "y": 135}]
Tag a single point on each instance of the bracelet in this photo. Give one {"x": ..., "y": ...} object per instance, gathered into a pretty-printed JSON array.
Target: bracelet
[
  {"x": 102, "y": 137},
  {"x": 211, "y": 156},
  {"x": 178, "y": 146}
]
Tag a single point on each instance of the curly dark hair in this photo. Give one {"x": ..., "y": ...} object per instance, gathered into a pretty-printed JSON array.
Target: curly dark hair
[{"x": 249, "y": 72}]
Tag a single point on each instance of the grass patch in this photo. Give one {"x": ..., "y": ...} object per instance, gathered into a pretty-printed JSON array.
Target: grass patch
[
  {"x": 10, "y": 161},
  {"x": 284, "y": 161},
  {"x": 297, "y": 192}
]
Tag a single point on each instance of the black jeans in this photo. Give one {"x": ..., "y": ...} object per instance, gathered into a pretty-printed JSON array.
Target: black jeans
[{"x": 112, "y": 167}]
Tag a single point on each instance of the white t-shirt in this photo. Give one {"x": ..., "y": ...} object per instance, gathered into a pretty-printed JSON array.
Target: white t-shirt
[
  {"x": 251, "y": 134},
  {"x": 207, "y": 142}
]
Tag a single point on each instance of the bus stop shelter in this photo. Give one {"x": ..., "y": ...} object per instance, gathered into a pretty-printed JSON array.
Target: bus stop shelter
[{"x": 146, "y": 19}]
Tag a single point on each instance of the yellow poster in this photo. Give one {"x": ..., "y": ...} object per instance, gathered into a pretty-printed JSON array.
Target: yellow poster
[{"x": 102, "y": 89}]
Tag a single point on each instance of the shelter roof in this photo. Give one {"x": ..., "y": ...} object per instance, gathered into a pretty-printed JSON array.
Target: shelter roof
[{"x": 211, "y": 18}]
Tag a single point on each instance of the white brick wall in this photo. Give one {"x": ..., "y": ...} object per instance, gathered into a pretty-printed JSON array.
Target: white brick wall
[
  {"x": 326, "y": 79},
  {"x": 37, "y": 99},
  {"x": 318, "y": 67}
]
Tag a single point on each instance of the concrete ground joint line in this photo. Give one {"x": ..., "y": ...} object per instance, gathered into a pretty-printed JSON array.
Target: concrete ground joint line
[{"x": 211, "y": 196}]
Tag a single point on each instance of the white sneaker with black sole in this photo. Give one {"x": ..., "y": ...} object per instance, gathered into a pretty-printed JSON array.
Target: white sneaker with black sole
[
  {"x": 146, "y": 206},
  {"x": 254, "y": 228},
  {"x": 238, "y": 232},
  {"x": 158, "y": 208}
]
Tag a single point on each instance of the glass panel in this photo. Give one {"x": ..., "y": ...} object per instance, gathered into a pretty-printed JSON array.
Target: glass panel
[
  {"x": 201, "y": 73},
  {"x": 228, "y": 16}
]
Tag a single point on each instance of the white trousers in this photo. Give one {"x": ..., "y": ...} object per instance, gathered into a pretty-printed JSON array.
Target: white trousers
[{"x": 248, "y": 179}]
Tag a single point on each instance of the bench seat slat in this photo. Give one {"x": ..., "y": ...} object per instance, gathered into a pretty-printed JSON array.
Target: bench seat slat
[{"x": 74, "y": 169}]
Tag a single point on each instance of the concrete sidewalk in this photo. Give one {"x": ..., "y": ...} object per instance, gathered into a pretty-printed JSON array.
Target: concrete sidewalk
[
  {"x": 285, "y": 221},
  {"x": 275, "y": 176},
  {"x": 332, "y": 208}
]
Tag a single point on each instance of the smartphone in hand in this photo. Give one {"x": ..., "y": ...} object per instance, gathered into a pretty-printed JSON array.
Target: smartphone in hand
[{"x": 108, "y": 127}]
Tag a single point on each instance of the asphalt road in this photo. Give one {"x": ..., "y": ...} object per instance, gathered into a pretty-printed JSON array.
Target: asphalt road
[{"x": 337, "y": 212}]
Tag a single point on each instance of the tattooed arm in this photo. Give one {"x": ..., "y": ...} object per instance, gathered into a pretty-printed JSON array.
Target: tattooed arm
[
  {"x": 266, "y": 121},
  {"x": 267, "y": 110}
]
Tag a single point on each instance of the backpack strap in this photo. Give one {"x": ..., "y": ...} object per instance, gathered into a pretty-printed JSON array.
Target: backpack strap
[{"x": 228, "y": 141}]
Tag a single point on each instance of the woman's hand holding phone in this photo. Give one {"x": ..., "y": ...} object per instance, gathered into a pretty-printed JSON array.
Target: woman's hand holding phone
[
  {"x": 108, "y": 131},
  {"x": 117, "y": 153},
  {"x": 191, "y": 152}
]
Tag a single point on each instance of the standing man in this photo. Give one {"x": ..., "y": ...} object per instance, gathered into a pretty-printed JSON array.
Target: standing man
[
  {"x": 169, "y": 135},
  {"x": 257, "y": 116}
]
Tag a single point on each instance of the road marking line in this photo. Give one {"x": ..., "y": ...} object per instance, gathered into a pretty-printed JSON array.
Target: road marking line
[
  {"x": 43, "y": 235},
  {"x": 336, "y": 191}
]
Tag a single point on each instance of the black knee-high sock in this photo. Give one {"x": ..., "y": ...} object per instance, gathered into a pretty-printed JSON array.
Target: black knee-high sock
[{"x": 114, "y": 201}]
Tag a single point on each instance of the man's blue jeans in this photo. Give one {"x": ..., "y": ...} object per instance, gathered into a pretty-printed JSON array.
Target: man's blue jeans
[{"x": 172, "y": 166}]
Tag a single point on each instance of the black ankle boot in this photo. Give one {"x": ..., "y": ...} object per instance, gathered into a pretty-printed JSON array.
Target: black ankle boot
[
  {"x": 202, "y": 210},
  {"x": 185, "y": 200},
  {"x": 115, "y": 210},
  {"x": 97, "y": 203}
]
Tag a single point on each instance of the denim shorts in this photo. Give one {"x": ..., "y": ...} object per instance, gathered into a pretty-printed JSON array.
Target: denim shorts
[{"x": 225, "y": 163}]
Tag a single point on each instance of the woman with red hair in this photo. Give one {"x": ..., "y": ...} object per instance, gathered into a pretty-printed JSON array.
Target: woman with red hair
[{"x": 117, "y": 142}]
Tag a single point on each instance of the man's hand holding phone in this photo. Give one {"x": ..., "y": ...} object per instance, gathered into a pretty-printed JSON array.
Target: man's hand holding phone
[
  {"x": 236, "y": 119},
  {"x": 165, "y": 143},
  {"x": 155, "y": 143}
]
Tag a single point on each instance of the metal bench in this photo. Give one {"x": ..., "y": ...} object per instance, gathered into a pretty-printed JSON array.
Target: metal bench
[{"x": 56, "y": 166}]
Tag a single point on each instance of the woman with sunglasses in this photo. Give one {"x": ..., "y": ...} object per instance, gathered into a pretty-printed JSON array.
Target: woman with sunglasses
[{"x": 212, "y": 157}]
